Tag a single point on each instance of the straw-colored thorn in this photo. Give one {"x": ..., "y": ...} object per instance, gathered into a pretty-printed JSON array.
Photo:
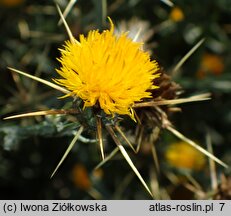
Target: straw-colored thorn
[
  {"x": 52, "y": 85},
  {"x": 68, "y": 149},
  {"x": 72, "y": 39},
  {"x": 127, "y": 158},
  {"x": 67, "y": 10},
  {"x": 106, "y": 159},
  {"x": 41, "y": 113},
  {"x": 199, "y": 148},
  {"x": 186, "y": 57},
  {"x": 99, "y": 135}
]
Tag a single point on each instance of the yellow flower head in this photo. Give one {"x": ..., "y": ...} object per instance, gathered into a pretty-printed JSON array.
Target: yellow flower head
[
  {"x": 11, "y": 3},
  {"x": 110, "y": 70},
  {"x": 182, "y": 155},
  {"x": 210, "y": 63},
  {"x": 80, "y": 177},
  {"x": 176, "y": 14}
]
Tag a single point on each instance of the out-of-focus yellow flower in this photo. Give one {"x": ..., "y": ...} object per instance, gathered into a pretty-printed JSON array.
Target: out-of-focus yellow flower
[
  {"x": 210, "y": 64},
  {"x": 11, "y": 3},
  {"x": 98, "y": 174},
  {"x": 176, "y": 14},
  {"x": 182, "y": 155},
  {"x": 109, "y": 70},
  {"x": 80, "y": 177}
]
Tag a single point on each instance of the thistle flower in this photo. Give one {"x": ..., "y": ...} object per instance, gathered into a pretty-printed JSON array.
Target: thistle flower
[
  {"x": 11, "y": 3},
  {"x": 210, "y": 64},
  {"x": 182, "y": 155},
  {"x": 114, "y": 74},
  {"x": 110, "y": 70},
  {"x": 80, "y": 177},
  {"x": 176, "y": 14}
]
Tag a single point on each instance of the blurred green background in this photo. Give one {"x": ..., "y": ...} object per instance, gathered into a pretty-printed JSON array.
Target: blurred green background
[{"x": 30, "y": 148}]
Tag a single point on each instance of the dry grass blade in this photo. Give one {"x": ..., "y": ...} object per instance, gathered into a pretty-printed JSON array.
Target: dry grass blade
[
  {"x": 68, "y": 149},
  {"x": 44, "y": 112},
  {"x": 199, "y": 148},
  {"x": 110, "y": 156},
  {"x": 199, "y": 193},
  {"x": 194, "y": 182},
  {"x": 137, "y": 35},
  {"x": 155, "y": 158},
  {"x": 127, "y": 158},
  {"x": 200, "y": 97},
  {"x": 155, "y": 184},
  {"x": 139, "y": 137},
  {"x": 168, "y": 2},
  {"x": 95, "y": 194},
  {"x": 52, "y": 85},
  {"x": 67, "y": 10},
  {"x": 99, "y": 134},
  {"x": 124, "y": 184},
  {"x": 72, "y": 39},
  {"x": 212, "y": 165},
  {"x": 137, "y": 118},
  {"x": 125, "y": 138},
  {"x": 186, "y": 57}
]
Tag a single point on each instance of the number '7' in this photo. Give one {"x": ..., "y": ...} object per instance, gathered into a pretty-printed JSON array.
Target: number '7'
[{"x": 222, "y": 205}]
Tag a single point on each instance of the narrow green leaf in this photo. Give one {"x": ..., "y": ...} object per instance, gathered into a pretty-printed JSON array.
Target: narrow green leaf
[{"x": 100, "y": 12}]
